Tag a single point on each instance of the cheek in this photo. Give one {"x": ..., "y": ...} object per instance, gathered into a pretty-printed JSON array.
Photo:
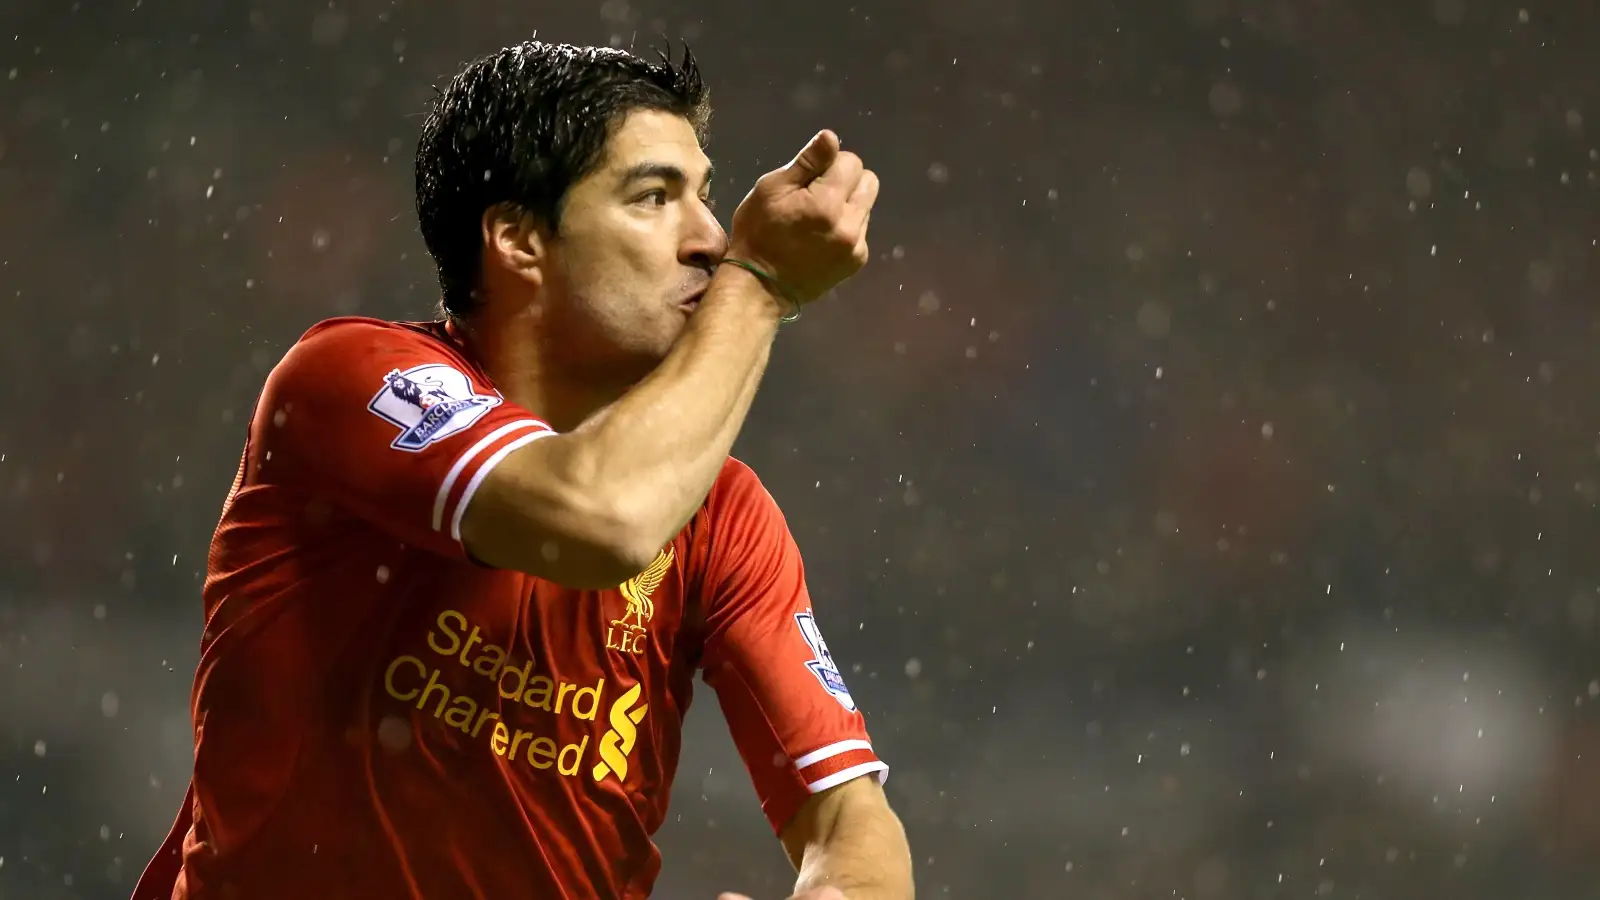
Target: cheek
[
  {"x": 623, "y": 251},
  {"x": 606, "y": 292}
]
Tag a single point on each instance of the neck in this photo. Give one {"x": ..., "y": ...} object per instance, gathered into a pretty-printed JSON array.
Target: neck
[{"x": 510, "y": 349}]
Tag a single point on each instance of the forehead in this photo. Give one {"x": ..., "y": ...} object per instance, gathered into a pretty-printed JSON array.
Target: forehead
[{"x": 652, "y": 136}]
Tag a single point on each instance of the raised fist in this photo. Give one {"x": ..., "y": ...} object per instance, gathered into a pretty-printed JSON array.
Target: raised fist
[{"x": 806, "y": 223}]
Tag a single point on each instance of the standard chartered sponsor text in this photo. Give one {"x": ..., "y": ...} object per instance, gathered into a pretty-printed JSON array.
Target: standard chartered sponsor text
[{"x": 454, "y": 641}]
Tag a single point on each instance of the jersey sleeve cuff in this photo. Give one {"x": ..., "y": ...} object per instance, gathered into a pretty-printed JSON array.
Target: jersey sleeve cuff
[
  {"x": 837, "y": 763},
  {"x": 474, "y": 465},
  {"x": 819, "y": 770}
]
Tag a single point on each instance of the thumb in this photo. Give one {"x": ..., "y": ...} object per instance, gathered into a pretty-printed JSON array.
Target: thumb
[
  {"x": 732, "y": 897},
  {"x": 815, "y": 159}
]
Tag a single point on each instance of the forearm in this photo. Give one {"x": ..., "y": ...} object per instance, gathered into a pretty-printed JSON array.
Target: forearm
[
  {"x": 864, "y": 854},
  {"x": 658, "y": 449},
  {"x": 592, "y": 507}
]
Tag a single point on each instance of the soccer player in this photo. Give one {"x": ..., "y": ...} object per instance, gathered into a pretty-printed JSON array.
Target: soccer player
[{"x": 469, "y": 569}]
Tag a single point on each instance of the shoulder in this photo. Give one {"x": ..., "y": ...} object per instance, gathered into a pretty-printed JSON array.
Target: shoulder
[
  {"x": 737, "y": 492},
  {"x": 353, "y": 347},
  {"x": 355, "y": 334},
  {"x": 740, "y": 511},
  {"x": 748, "y": 545},
  {"x": 735, "y": 472}
]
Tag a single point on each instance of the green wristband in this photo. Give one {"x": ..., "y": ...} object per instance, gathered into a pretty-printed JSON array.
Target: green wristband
[{"x": 772, "y": 282}]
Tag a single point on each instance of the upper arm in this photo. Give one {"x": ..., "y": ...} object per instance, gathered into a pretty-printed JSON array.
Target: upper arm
[
  {"x": 534, "y": 515},
  {"x": 388, "y": 424},
  {"x": 396, "y": 427},
  {"x": 792, "y": 717}
]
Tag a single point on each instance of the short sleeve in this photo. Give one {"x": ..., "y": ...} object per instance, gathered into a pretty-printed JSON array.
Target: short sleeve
[
  {"x": 791, "y": 715},
  {"x": 389, "y": 422}
]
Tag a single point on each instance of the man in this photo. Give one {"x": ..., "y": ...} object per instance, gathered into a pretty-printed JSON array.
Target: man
[{"x": 468, "y": 569}]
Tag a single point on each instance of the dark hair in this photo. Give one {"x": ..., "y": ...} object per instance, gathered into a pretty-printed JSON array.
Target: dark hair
[{"x": 523, "y": 125}]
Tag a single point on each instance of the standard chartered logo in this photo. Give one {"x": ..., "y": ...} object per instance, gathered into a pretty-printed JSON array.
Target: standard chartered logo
[
  {"x": 618, "y": 742},
  {"x": 418, "y": 681}
]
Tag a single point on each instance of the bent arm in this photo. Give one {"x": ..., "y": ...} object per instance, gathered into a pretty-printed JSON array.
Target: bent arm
[{"x": 591, "y": 508}]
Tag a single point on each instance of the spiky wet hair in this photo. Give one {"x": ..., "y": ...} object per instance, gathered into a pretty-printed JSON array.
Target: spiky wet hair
[{"x": 521, "y": 126}]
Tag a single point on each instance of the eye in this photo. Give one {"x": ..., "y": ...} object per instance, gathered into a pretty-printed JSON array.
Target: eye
[
  {"x": 710, "y": 203},
  {"x": 657, "y": 197}
]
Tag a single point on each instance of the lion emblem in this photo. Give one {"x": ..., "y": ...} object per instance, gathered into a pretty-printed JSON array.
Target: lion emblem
[{"x": 417, "y": 394}]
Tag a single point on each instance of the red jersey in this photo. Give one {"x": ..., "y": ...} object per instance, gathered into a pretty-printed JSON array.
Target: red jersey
[{"x": 377, "y": 716}]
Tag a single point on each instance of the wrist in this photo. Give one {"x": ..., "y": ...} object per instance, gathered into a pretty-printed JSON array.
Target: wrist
[{"x": 782, "y": 295}]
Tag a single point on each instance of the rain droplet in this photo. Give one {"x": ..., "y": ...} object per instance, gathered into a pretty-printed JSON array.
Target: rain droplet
[{"x": 394, "y": 734}]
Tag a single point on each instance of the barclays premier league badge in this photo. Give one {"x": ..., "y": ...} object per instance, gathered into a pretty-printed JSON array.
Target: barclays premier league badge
[{"x": 429, "y": 403}]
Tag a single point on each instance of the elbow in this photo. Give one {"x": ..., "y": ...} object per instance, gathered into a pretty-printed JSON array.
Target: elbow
[
  {"x": 612, "y": 541},
  {"x": 617, "y": 524},
  {"x": 586, "y": 565},
  {"x": 582, "y": 544},
  {"x": 581, "y": 558}
]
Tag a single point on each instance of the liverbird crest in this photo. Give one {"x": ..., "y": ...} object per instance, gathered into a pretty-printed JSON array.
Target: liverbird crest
[{"x": 638, "y": 589}]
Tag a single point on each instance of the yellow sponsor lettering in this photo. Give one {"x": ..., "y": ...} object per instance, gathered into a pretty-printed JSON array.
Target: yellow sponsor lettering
[
  {"x": 471, "y": 651},
  {"x": 514, "y": 676},
  {"x": 413, "y": 681},
  {"x": 540, "y": 689},
  {"x": 451, "y": 642},
  {"x": 592, "y": 694},
  {"x": 536, "y": 750},
  {"x": 572, "y": 757},
  {"x": 439, "y": 694},
  {"x": 461, "y": 713},
  {"x": 400, "y": 663},
  {"x": 484, "y": 715},
  {"x": 490, "y": 661},
  {"x": 542, "y": 753}
]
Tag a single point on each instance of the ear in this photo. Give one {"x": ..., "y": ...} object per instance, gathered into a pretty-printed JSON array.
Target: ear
[{"x": 513, "y": 241}]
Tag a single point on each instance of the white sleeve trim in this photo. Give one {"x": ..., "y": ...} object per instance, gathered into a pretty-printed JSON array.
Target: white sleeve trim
[
  {"x": 830, "y": 751},
  {"x": 442, "y": 498},
  {"x": 483, "y": 472},
  {"x": 840, "y": 777}
]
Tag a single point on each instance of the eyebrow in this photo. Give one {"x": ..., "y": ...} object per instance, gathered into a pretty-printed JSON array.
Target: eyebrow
[{"x": 663, "y": 171}]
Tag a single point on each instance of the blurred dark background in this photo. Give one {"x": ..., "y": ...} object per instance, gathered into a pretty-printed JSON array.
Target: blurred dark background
[{"x": 1198, "y": 487}]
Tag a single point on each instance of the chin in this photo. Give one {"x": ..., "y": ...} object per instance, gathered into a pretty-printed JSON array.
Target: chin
[
  {"x": 637, "y": 351},
  {"x": 671, "y": 331}
]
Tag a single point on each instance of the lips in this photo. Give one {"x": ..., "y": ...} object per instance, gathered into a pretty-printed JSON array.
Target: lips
[{"x": 692, "y": 303}]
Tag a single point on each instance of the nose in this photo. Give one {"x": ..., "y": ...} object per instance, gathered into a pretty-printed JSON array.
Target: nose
[{"x": 704, "y": 242}]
